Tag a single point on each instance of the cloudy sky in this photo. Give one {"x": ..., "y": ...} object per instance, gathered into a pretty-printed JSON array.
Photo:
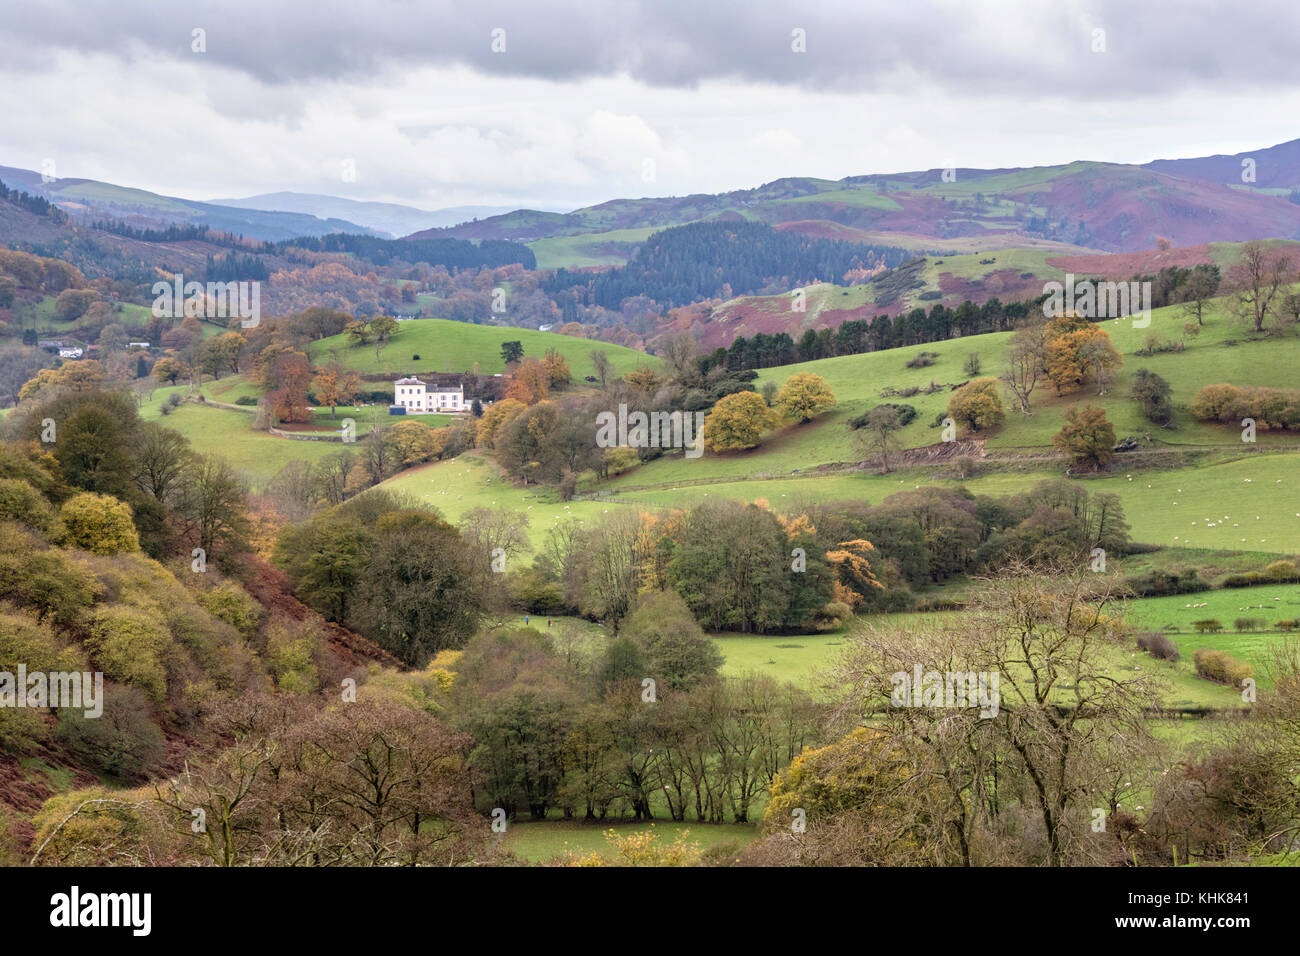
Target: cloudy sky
[{"x": 562, "y": 104}]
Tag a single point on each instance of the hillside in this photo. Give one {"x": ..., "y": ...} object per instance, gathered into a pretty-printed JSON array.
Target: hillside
[
  {"x": 1275, "y": 167},
  {"x": 446, "y": 346},
  {"x": 93, "y": 199},
  {"x": 1105, "y": 206}
]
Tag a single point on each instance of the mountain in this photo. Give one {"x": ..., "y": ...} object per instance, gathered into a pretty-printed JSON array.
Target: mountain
[
  {"x": 1277, "y": 167},
  {"x": 393, "y": 219},
  {"x": 89, "y": 199},
  {"x": 1108, "y": 207}
]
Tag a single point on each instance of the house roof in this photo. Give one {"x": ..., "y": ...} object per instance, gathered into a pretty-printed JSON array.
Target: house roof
[{"x": 408, "y": 381}]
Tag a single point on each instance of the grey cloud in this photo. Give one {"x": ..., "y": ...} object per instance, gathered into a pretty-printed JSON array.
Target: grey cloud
[{"x": 1040, "y": 49}]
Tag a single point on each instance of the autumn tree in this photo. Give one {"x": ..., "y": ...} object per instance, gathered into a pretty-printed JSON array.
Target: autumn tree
[
  {"x": 557, "y": 368},
  {"x": 977, "y": 405},
  {"x": 1087, "y": 436},
  {"x": 737, "y": 421},
  {"x": 804, "y": 396},
  {"x": 1078, "y": 351},
  {"x": 99, "y": 524},
  {"x": 335, "y": 385},
  {"x": 530, "y": 383}
]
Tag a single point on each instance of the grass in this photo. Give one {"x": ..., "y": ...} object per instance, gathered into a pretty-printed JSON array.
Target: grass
[
  {"x": 541, "y": 840},
  {"x": 446, "y": 346},
  {"x": 858, "y": 380},
  {"x": 1271, "y": 602},
  {"x": 256, "y": 455},
  {"x": 611, "y": 248}
]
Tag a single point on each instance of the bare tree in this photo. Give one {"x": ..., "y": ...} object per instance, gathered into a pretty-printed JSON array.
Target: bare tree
[
  {"x": 1026, "y": 363},
  {"x": 1256, "y": 281},
  {"x": 878, "y": 437}
]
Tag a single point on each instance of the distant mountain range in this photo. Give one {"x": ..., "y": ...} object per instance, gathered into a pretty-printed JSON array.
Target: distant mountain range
[
  {"x": 1084, "y": 205},
  {"x": 383, "y": 217},
  {"x": 1109, "y": 207}
]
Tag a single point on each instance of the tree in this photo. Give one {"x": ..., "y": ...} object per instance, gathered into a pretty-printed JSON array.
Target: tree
[
  {"x": 804, "y": 396},
  {"x": 383, "y": 327},
  {"x": 512, "y": 351},
  {"x": 99, "y": 524},
  {"x": 602, "y": 365},
  {"x": 223, "y": 351},
  {"x": 210, "y": 506},
  {"x": 420, "y": 592},
  {"x": 1078, "y": 351},
  {"x": 530, "y": 383},
  {"x": 1256, "y": 280},
  {"x": 1153, "y": 393},
  {"x": 643, "y": 378},
  {"x": 878, "y": 436},
  {"x": 1026, "y": 363},
  {"x": 73, "y": 303},
  {"x": 160, "y": 458},
  {"x": 358, "y": 332},
  {"x": 335, "y": 385},
  {"x": 557, "y": 368},
  {"x": 977, "y": 405},
  {"x": 973, "y": 365},
  {"x": 112, "y": 339},
  {"x": 1087, "y": 436},
  {"x": 737, "y": 421},
  {"x": 168, "y": 369},
  {"x": 676, "y": 651},
  {"x": 1198, "y": 289},
  {"x": 1024, "y": 745}
]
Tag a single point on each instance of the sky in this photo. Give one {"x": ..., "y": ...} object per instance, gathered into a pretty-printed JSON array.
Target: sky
[{"x": 557, "y": 105}]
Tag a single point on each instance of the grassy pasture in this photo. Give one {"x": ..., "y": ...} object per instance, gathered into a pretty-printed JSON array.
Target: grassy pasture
[{"x": 446, "y": 346}]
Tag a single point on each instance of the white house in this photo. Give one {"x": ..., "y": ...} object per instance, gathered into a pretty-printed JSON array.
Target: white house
[
  {"x": 420, "y": 399},
  {"x": 70, "y": 353}
]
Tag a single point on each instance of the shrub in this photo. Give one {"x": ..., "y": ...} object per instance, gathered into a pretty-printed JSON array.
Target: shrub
[
  {"x": 246, "y": 400},
  {"x": 99, "y": 524},
  {"x": 1248, "y": 579},
  {"x": 1283, "y": 571},
  {"x": 19, "y": 501},
  {"x": 128, "y": 645},
  {"x": 1288, "y": 625},
  {"x": 1158, "y": 646},
  {"x": 906, "y": 413},
  {"x": 923, "y": 360},
  {"x": 1208, "y": 625},
  {"x": 124, "y": 741},
  {"x": 1221, "y": 667},
  {"x": 230, "y": 603},
  {"x": 1248, "y": 623}
]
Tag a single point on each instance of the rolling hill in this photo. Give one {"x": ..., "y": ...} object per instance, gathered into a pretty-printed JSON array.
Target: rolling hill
[
  {"x": 1106, "y": 207},
  {"x": 446, "y": 346},
  {"x": 94, "y": 200}
]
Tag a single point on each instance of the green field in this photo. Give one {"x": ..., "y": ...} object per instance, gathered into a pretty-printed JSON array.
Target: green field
[
  {"x": 858, "y": 381},
  {"x": 541, "y": 840},
  {"x": 611, "y": 248},
  {"x": 1270, "y": 602},
  {"x": 446, "y": 346}
]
